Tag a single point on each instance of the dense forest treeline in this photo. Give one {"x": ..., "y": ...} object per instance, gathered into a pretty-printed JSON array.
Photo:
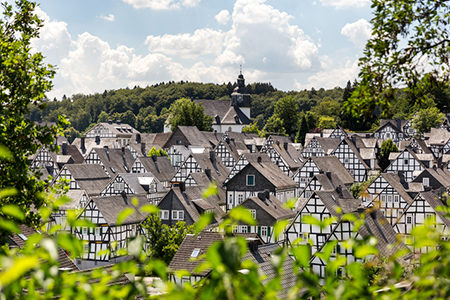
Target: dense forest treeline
[{"x": 147, "y": 108}]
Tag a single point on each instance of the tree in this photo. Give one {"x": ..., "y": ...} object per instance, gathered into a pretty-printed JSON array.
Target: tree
[
  {"x": 24, "y": 80},
  {"x": 71, "y": 133},
  {"x": 274, "y": 125},
  {"x": 287, "y": 110},
  {"x": 407, "y": 38},
  {"x": 103, "y": 117},
  {"x": 157, "y": 152},
  {"x": 326, "y": 122},
  {"x": 128, "y": 118},
  {"x": 163, "y": 240},
  {"x": 426, "y": 119},
  {"x": 185, "y": 112},
  {"x": 387, "y": 147},
  {"x": 302, "y": 130},
  {"x": 252, "y": 128}
]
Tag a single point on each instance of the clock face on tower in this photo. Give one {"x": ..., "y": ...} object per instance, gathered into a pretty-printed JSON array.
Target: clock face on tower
[{"x": 240, "y": 99}]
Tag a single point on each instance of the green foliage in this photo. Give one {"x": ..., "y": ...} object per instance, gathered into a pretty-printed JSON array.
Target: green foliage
[
  {"x": 163, "y": 240},
  {"x": 326, "y": 122},
  {"x": 302, "y": 130},
  {"x": 403, "y": 34},
  {"x": 24, "y": 80},
  {"x": 71, "y": 133},
  {"x": 185, "y": 112},
  {"x": 252, "y": 128},
  {"x": 427, "y": 118},
  {"x": 103, "y": 117},
  {"x": 157, "y": 152},
  {"x": 387, "y": 147},
  {"x": 274, "y": 126},
  {"x": 286, "y": 109}
]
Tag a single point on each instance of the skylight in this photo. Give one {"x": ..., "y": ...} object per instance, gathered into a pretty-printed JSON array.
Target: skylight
[
  {"x": 196, "y": 252},
  {"x": 23, "y": 237}
]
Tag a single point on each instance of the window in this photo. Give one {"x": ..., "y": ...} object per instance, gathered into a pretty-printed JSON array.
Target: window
[
  {"x": 395, "y": 198},
  {"x": 22, "y": 236},
  {"x": 240, "y": 198},
  {"x": 177, "y": 214},
  {"x": 243, "y": 228},
  {"x": 263, "y": 230},
  {"x": 235, "y": 228},
  {"x": 119, "y": 186},
  {"x": 253, "y": 211},
  {"x": 97, "y": 231},
  {"x": 85, "y": 231},
  {"x": 406, "y": 161},
  {"x": 389, "y": 198},
  {"x": 164, "y": 214},
  {"x": 250, "y": 180},
  {"x": 426, "y": 181},
  {"x": 311, "y": 174},
  {"x": 408, "y": 220},
  {"x": 196, "y": 252},
  {"x": 86, "y": 247},
  {"x": 383, "y": 199}
]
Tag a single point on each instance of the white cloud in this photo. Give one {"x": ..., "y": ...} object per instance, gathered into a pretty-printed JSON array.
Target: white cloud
[
  {"x": 109, "y": 17},
  {"x": 161, "y": 4},
  {"x": 331, "y": 76},
  {"x": 345, "y": 3},
  {"x": 358, "y": 32},
  {"x": 223, "y": 17}
]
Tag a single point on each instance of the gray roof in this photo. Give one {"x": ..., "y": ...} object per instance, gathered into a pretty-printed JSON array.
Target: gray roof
[
  {"x": 399, "y": 184},
  {"x": 218, "y": 170},
  {"x": 193, "y": 136},
  {"x": 214, "y": 138},
  {"x": 182, "y": 258},
  {"x": 215, "y": 107},
  {"x": 111, "y": 206},
  {"x": 289, "y": 154},
  {"x": 86, "y": 171},
  {"x": 273, "y": 174},
  {"x": 90, "y": 143},
  {"x": 272, "y": 206},
  {"x": 434, "y": 198},
  {"x": 375, "y": 224},
  {"x": 395, "y": 123},
  {"x": 159, "y": 166},
  {"x": 115, "y": 160},
  {"x": 338, "y": 204},
  {"x": 203, "y": 182},
  {"x": 437, "y": 136},
  {"x": 132, "y": 180},
  {"x": 328, "y": 144},
  {"x": 235, "y": 115},
  {"x": 333, "y": 164}
]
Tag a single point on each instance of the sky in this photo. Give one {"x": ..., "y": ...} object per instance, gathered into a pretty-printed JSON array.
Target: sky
[{"x": 111, "y": 44}]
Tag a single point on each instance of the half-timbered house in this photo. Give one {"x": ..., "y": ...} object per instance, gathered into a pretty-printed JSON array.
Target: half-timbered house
[
  {"x": 285, "y": 156},
  {"x": 388, "y": 192},
  {"x": 227, "y": 153},
  {"x": 426, "y": 205},
  {"x": 266, "y": 209},
  {"x": 258, "y": 176},
  {"x": 102, "y": 242},
  {"x": 438, "y": 140},
  {"x": 114, "y": 161},
  {"x": 316, "y": 165},
  {"x": 407, "y": 163},
  {"x": 320, "y": 146},
  {"x": 350, "y": 157},
  {"x": 391, "y": 129},
  {"x": 159, "y": 166},
  {"x": 90, "y": 178}
]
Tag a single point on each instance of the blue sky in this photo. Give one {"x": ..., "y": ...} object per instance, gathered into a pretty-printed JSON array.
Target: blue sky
[{"x": 111, "y": 44}]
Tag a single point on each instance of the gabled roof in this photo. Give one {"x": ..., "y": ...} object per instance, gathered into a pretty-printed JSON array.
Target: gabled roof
[
  {"x": 355, "y": 150},
  {"x": 203, "y": 181},
  {"x": 215, "y": 107},
  {"x": 289, "y": 154},
  {"x": 272, "y": 173},
  {"x": 91, "y": 142},
  {"x": 75, "y": 196},
  {"x": 115, "y": 160},
  {"x": 182, "y": 258},
  {"x": 214, "y": 138},
  {"x": 397, "y": 124},
  {"x": 333, "y": 165},
  {"x": 271, "y": 206},
  {"x": 193, "y": 136},
  {"x": 210, "y": 160},
  {"x": 399, "y": 184},
  {"x": 111, "y": 206},
  {"x": 434, "y": 198},
  {"x": 376, "y": 225},
  {"x": 86, "y": 171},
  {"x": 233, "y": 116},
  {"x": 159, "y": 166},
  {"x": 132, "y": 180},
  {"x": 441, "y": 175},
  {"x": 328, "y": 144},
  {"x": 116, "y": 128},
  {"x": 338, "y": 204},
  {"x": 437, "y": 136}
]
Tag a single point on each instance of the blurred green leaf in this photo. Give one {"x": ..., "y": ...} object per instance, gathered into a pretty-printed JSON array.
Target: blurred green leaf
[
  {"x": 8, "y": 192},
  {"x": 302, "y": 254},
  {"x": 149, "y": 208},
  {"x": 5, "y": 153},
  {"x": 124, "y": 214},
  {"x": 202, "y": 222},
  {"x": 211, "y": 190},
  {"x": 13, "y": 211},
  {"x": 240, "y": 213},
  {"x": 19, "y": 267},
  {"x": 279, "y": 227}
]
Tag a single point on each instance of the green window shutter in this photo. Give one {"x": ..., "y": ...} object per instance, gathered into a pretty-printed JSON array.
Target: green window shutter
[
  {"x": 268, "y": 230},
  {"x": 259, "y": 230},
  {"x": 249, "y": 229}
]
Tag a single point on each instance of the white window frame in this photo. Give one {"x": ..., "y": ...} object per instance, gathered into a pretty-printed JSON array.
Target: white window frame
[
  {"x": 246, "y": 180},
  {"x": 253, "y": 212},
  {"x": 164, "y": 214},
  {"x": 240, "y": 198},
  {"x": 264, "y": 231}
]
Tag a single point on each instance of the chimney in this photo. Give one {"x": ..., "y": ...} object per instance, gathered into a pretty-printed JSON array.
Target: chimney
[
  {"x": 143, "y": 149},
  {"x": 208, "y": 173},
  {"x": 252, "y": 244},
  {"x": 227, "y": 140},
  {"x": 217, "y": 118},
  {"x": 285, "y": 146},
  {"x": 123, "y": 150},
  {"x": 262, "y": 196},
  {"x": 212, "y": 156},
  {"x": 339, "y": 191},
  {"x": 97, "y": 139},
  {"x": 64, "y": 148},
  {"x": 138, "y": 138},
  {"x": 328, "y": 175},
  {"x": 118, "y": 121},
  {"x": 109, "y": 121},
  {"x": 259, "y": 159},
  {"x": 182, "y": 186},
  {"x": 154, "y": 158},
  {"x": 83, "y": 144}
]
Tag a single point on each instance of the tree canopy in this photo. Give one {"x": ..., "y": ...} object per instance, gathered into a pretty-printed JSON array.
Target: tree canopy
[
  {"x": 185, "y": 112},
  {"x": 408, "y": 48},
  {"x": 427, "y": 118}
]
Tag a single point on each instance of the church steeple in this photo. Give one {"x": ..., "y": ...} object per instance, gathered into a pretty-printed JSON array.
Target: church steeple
[
  {"x": 239, "y": 97},
  {"x": 241, "y": 82}
]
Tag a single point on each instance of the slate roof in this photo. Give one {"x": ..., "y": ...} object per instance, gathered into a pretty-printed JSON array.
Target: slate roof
[
  {"x": 395, "y": 123},
  {"x": 119, "y": 129},
  {"x": 338, "y": 204},
  {"x": 441, "y": 175},
  {"x": 355, "y": 150},
  {"x": 273, "y": 174},
  {"x": 262, "y": 256},
  {"x": 90, "y": 177},
  {"x": 434, "y": 199},
  {"x": 75, "y": 196},
  {"x": 214, "y": 138},
  {"x": 289, "y": 154},
  {"x": 333, "y": 164},
  {"x": 111, "y": 206},
  {"x": 218, "y": 170},
  {"x": 272, "y": 206},
  {"x": 203, "y": 181},
  {"x": 90, "y": 143},
  {"x": 328, "y": 144},
  {"x": 193, "y": 136},
  {"x": 115, "y": 160},
  {"x": 159, "y": 166},
  {"x": 437, "y": 136},
  {"x": 399, "y": 184},
  {"x": 132, "y": 180},
  {"x": 65, "y": 263},
  {"x": 233, "y": 116},
  {"x": 181, "y": 260},
  {"x": 375, "y": 224},
  {"x": 215, "y": 107}
]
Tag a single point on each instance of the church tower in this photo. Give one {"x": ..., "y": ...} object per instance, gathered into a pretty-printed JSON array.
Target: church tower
[{"x": 239, "y": 98}]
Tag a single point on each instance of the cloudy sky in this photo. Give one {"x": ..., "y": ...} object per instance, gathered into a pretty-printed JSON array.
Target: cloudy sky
[{"x": 111, "y": 44}]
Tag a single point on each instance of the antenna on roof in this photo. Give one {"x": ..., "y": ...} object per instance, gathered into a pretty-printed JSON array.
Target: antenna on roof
[{"x": 240, "y": 69}]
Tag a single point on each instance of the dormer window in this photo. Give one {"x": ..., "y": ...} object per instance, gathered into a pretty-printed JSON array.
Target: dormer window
[{"x": 195, "y": 253}]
